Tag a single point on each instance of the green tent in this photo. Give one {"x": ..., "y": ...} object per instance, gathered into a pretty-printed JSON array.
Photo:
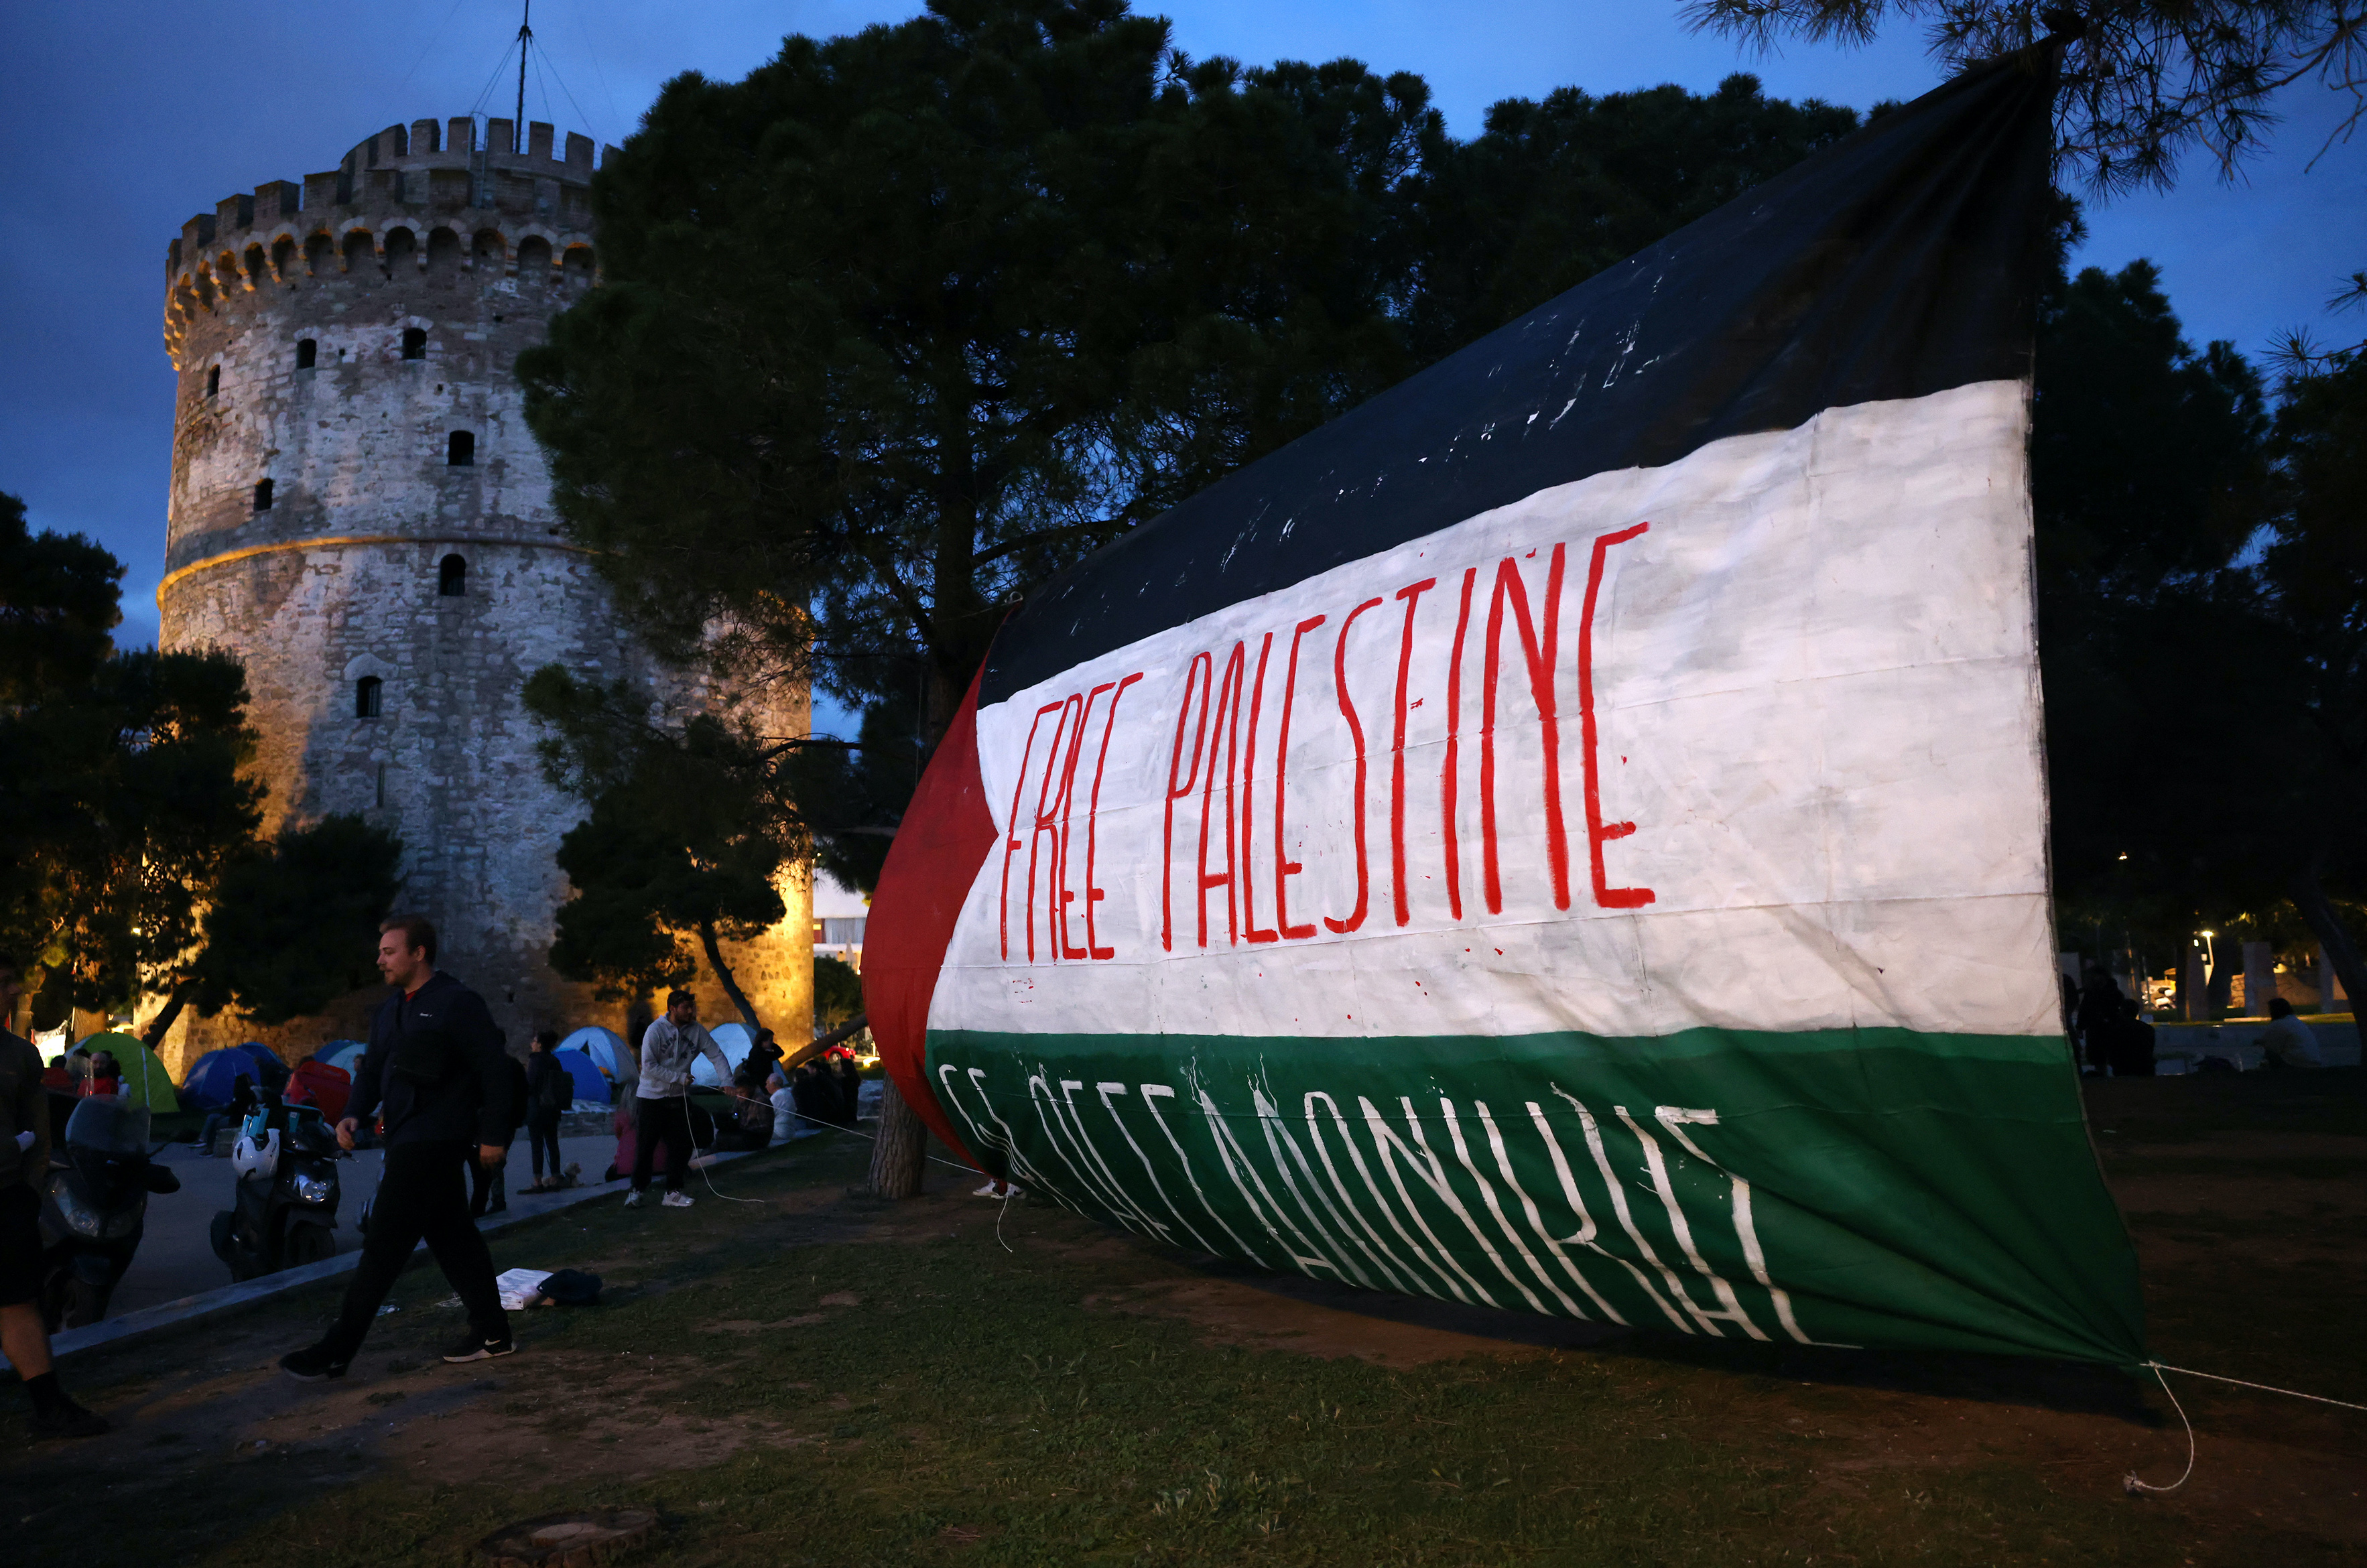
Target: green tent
[{"x": 145, "y": 1081}]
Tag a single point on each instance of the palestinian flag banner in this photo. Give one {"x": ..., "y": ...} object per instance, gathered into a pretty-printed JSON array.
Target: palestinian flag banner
[{"x": 1569, "y": 835}]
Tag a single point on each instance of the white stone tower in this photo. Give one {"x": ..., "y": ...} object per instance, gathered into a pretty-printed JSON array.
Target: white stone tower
[{"x": 359, "y": 512}]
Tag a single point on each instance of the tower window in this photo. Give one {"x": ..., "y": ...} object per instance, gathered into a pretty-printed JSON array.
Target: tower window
[
  {"x": 213, "y": 381},
  {"x": 460, "y": 449},
  {"x": 370, "y": 697},
  {"x": 307, "y": 351},
  {"x": 452, "y": 577},
  {"x": 262, "y": 495},
  {"x": 414, "y": 343}
]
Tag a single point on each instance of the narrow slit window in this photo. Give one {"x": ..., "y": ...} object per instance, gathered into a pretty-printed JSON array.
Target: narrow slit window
[
  {"x": 213, "y": 381},
  {"x": 414, "y": 343},
  {"x": 262, "y": 495},
  {"x": 370, "y": 697},
  {"x": 452, "y": 577},
  {"x": 460, "y": 449},
  {"x": 381, "y": 783},
  {"x": 308, "y": 351}
]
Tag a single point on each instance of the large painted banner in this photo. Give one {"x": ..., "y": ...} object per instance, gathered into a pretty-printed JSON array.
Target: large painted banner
[{"x": 1569, "y": 835}]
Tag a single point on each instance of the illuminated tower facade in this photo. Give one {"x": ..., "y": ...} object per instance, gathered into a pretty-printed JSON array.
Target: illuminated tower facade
[{"x": 359, "y": 514}]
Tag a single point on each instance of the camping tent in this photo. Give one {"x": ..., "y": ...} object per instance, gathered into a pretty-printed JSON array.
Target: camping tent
[
  {"x": 605, "y": 1047},
  {"x": 346, "y": 1055},
  {"x": 316, "y": 1083},
  {"x": 270, "y": 1071},
  {"x": 213, "y": 1078},
  {"x": 145, "y": 1081},
  {"x": 590, "y": 1082},
  {"x": 734, "y": 1040}
]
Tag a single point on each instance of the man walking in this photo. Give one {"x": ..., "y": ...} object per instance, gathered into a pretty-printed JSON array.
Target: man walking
[
  {"x": 24, "y": 1165},
  {"x": 436, "y": 1070},
  {"x": 664, "y": 1094}
]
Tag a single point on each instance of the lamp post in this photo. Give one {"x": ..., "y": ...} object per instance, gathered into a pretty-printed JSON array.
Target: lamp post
[{"x": 2202, "y": 958}]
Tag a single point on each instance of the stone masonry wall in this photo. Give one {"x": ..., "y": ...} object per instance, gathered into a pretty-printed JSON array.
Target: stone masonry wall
[{"x": 416, "y": 273}]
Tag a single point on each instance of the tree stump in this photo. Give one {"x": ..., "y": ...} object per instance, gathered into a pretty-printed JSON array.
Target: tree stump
[
  {"x": 583, "y": 1539},
  {"x": 902, "y": 1149}
]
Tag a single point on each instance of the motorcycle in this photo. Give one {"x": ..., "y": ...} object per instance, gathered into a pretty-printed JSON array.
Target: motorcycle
[
  {"x": 286, "y": 1196},
  {"x": 94, "y": 1208}
]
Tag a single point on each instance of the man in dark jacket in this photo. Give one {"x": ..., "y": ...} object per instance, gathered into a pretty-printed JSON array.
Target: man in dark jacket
[
  {"x": 435, "y": 1073},
  {"x": 548, "y": 1092},
  {"x": 24, "y": 1167},
  {"x": 488, "y": 1193}
]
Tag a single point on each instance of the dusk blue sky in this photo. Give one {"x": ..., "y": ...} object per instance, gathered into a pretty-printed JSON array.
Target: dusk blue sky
[{"x": 120, "y": 119}]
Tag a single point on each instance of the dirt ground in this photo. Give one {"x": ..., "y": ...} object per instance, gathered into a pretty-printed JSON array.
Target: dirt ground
[{"x": 808, "y": 1375}]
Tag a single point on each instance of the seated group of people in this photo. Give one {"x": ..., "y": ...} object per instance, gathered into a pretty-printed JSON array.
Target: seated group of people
[
  {"x": 777, "y": 1106},
  {"x": 2115, "y": 1037}
]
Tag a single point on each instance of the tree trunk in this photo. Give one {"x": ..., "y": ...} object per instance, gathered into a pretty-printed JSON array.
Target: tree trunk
[
  {"x": 154, "y": 1036},
  {"x": 808, "y": 1053},
  {"x": 2317, "y": 913},
  {"x": 901, "y": 1153},
  {"x": 900, "y": 1157},
  {"x": 723, "y": 973}
]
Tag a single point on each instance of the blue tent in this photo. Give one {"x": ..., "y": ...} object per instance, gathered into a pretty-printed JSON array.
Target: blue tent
[
  {"x": 344, "y": 1053},
  {"x": 590, "y": 1084},
  {"x": 270, "y": 1072},
  {"x": 605, "y": 1047},
  {"x": 213, "y": 1078},
  {"x": 735, "y": 1041}
]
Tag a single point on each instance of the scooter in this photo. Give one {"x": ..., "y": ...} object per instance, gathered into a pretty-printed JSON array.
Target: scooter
[
  {"x": 287, "y": 1190},
  {"x": 93, "y": 1209}
]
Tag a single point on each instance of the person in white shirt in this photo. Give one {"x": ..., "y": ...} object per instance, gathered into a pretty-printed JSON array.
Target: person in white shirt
[
  {"x": 787, "y": 1123},
  {"x": 668, "y": 1048},
  {"x": 2287, "y": 1040}
]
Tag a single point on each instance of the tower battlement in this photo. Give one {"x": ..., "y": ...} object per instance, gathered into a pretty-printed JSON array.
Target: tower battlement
[
  {"x": 431, "y": 189},
  {"x": 361, "y": 513}
]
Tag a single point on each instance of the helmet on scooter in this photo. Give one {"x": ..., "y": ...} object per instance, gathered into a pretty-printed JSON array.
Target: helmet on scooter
[{"x": 256, "y": 1154}]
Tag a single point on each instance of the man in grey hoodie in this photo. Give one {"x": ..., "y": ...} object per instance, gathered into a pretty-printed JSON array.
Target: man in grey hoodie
[{"x": 668, "y": 1048}]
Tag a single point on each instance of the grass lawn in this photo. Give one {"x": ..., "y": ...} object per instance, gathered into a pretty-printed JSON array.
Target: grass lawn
[{"x": 811, "y": 1377}]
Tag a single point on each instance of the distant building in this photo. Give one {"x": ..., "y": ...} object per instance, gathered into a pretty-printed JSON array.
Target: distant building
[
  {"x": 359, "y": 512},
  {"x": 839, "y": 914}
]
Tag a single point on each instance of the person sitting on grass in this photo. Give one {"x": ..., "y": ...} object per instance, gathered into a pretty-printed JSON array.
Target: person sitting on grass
[
  {"x": 815, "y": 1096},
  {"x": 750, "y": 1125},
  {"x": 2287, "y": 1040},
  {"x": 2131, "y": 1043},
  {"x": 788, "y": 1125},
  {"x": 848, "y": 1079}
]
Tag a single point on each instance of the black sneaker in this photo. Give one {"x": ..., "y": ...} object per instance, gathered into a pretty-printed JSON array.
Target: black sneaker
[
  {"x": 311, "y": 1364},
  {"x": 475, "y": 1350},
  {"x": 68, "y": 1420}
]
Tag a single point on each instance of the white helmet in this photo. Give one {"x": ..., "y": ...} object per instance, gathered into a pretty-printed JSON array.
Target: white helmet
[{"x": 256, "y": 1154}]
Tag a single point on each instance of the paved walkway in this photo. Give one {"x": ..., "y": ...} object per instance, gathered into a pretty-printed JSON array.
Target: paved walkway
[{"x": 176, "y": 1255}]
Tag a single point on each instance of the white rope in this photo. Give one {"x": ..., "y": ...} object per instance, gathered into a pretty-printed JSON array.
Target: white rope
[
  {"x": 839, "y": 1127},
  {"x": 705, "y": 1174},
  {"x": 2160, "y": 1368},
  {"x": 2129, "y": 1482}
]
